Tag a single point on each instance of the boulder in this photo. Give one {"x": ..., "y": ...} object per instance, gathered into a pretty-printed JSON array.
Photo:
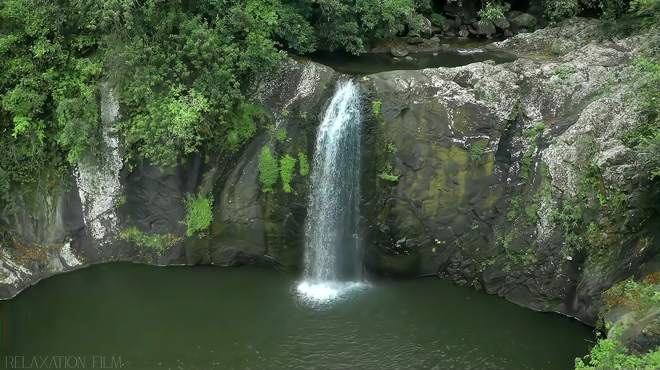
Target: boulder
[
  {"x": 425, "y": 28},
  {"x": 448, "y": 25},
  {"x": 398, "y": 52},
  {"x": 502, "y": 23},
  {"x": 415, "y": 40},
  {"x": 464, "y": 31},
  {"x": 524, "y": 20},
  {"x": 438, "y": 20},
  {"x": 512, "y": 14},
  {"x": 485, "y": 28}
]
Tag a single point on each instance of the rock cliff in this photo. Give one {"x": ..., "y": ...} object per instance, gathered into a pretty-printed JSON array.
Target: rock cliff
[{"x": 513, "y": 178}]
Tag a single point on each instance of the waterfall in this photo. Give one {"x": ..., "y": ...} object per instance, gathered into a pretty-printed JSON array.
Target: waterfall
[{"x": 332, "y": 250}]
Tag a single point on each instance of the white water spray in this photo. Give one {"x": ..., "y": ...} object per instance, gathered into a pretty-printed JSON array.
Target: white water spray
[{"x": 332, "y": 249}]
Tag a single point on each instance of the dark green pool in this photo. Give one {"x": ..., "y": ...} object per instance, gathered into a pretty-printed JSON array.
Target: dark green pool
[{"x": 141, "y": 317}]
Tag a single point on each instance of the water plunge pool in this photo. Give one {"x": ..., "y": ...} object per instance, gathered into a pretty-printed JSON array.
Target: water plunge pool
[{"x": 251, "y": 318}]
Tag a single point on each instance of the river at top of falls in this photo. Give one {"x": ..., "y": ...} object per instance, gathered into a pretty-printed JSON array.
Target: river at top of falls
[{"x": 332, "y": 263}]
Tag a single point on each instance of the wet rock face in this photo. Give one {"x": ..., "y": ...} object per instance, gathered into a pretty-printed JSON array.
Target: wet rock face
[
  {"x": 80, "y": 221},
  {"x": 97, "y": 177},
  {"x": 488, "y": 161}
]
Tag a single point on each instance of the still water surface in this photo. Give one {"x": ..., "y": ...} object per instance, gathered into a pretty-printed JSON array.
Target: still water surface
[
  {"x": 380, "y": 62},
  {"x": 249, "y": 318}
]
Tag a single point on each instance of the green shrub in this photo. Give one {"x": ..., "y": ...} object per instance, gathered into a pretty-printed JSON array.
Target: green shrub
[
  {"x": 388, "y": 177},
  {"x": 611, "y": 353},
  {"x": 268, "y": 170},
  {"x": 391, "y": 148},
  {"x": 556, "y": 10},
  {"x": 376, "y": 107},
  {"x": 387, "y": 174},
  {"x": 564, "y": 72},
  {"x": 535, "y": 131},
  {"x": 437, "y": 20},
  {"x": 158, "y": 242},
  {"x": 243, "y": 125},
  {"x": 287, "y": 168},
  {"x": 281, "y": 135},
  {"x": 169, "y": 127},
  {"x": 477, "y": 150},
  {"x": 199, "y": 213},
  {"x": 303, "y": 164},
  {"x": 494, "y": 11},
  {"x": 649, "y": 10},
  {"x": 613, "y": 9},
  {"x": 645, "y": 137},
  {"x": 638, "y": 296}
]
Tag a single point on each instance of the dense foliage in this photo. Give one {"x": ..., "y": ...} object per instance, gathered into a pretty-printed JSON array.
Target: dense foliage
[
  {"x": 610, "y": 353},
  {"x": 179, "y": 69},
  {"x": 639, "y": 299},
  {"x": 493, "y": 11}
]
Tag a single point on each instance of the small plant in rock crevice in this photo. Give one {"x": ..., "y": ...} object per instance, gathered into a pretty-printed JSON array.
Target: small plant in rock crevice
[
  {"x": 391, "y": 148},
  {"x": 387, "y": 175},
  {"x": 158, "y": 242},
  {"x": 268, "y": 170},
  {"x": 527, "y": 161},
  {"x": 477, "y": 150},
  {"x": 303, "y": 164},
  {"x": 281, "y": 135},
  {"x": 376, "y": 107},
  {"x": 287, "y": 168}
]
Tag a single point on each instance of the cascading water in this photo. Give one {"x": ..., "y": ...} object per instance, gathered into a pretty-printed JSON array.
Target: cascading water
[{"x": 332, "y": 249}]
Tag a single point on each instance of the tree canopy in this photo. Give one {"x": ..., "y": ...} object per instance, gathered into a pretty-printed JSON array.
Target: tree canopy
[{"x": 179, "y": 69}]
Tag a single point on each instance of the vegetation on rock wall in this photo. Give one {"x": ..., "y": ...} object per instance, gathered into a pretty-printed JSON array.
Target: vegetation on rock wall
[
  {"x": 638, "y": 296},
  {"x": 268, "y": 170},
  {"x": 611, "y": 353},
  {"x": 303, "y": 164},
  {"x": 287, "y": 168},
  {"x": 639, "y": 299},
  {"x": 199, "y": 213},
  {"x": 158, "y": 242},
  {"x": 645, "y": 138}
]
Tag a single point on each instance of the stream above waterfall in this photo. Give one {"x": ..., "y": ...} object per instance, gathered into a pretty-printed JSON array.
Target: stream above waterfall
[
  {"x": 380, "y": 62},
  {"x": 251, "y": 318}
]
